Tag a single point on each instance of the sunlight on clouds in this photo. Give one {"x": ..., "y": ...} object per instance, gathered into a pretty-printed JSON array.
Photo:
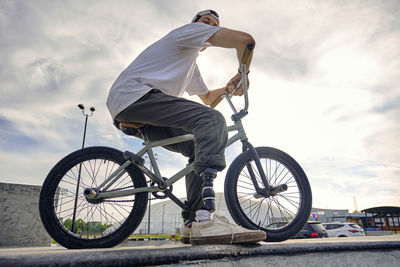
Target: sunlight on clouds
[
  {"x": 323, "y": 84},
  {"x": 347, "y": 65},
  {"x": 322, "y": 124}
]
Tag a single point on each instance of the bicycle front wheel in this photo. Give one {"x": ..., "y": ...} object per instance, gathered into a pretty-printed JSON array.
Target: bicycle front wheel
[
  {"x": 75, "y": 221},
  {"x": 281, "y": 215}
]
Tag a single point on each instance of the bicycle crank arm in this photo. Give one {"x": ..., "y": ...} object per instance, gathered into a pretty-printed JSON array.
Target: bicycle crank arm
[{"x": 177, "y": 201}]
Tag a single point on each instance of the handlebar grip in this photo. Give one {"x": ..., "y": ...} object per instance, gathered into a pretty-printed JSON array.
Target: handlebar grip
[{"x": 247, "y": 53}]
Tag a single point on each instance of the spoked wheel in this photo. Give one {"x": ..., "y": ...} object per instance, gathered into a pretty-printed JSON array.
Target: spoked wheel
[
  {"x": 282, "y": 212},
  {"x": 75, "y": 220}
]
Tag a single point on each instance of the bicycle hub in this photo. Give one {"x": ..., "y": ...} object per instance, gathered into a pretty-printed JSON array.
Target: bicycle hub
[
  {"x": 270, "y": 192},
  {"x": 89, "y": 193},
  {"x": 91, "y": 196},
  {"x": 278, "y": 189}
]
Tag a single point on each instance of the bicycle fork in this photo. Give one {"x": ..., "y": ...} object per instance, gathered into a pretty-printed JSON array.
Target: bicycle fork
[{"x": 268, "y": 189}]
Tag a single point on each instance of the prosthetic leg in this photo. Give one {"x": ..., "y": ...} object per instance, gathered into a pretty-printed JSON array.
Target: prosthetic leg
[{"x": 208, "y": 194}]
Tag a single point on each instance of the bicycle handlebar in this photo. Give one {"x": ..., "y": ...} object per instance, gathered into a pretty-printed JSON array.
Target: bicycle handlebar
[{"x": 243, "y": 81}]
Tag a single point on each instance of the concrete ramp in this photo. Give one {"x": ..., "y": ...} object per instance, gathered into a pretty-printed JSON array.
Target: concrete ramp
[{"x": 361, "y": 251}]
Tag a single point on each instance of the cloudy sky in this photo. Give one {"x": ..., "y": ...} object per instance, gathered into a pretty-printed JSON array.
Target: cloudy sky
[{"x": 324, "y": 85}]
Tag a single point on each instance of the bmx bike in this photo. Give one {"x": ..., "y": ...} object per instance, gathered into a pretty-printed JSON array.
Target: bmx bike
[{"x": 97, "y": 196}]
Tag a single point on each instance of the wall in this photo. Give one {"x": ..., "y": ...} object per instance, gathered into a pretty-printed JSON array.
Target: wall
[{"x": 20, "y": 223}]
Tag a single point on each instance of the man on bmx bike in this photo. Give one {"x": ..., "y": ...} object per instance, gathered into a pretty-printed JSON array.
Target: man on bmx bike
[{"x": 148, "y": 93}]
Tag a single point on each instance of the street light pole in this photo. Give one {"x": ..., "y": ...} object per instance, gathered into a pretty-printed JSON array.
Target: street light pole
[
  {"x": 84, "y": 131},
  {"x": 92, "y": 109}
]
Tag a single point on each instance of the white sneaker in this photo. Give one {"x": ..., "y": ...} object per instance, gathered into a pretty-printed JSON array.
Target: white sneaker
[
  {"x": 220, "y": 231},
  {"x": 201, "y": 216},
  {"x": 185, "y": 234}
]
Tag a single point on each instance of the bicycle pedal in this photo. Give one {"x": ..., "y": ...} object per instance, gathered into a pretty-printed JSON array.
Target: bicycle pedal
[{"x": 134, "y": 158}]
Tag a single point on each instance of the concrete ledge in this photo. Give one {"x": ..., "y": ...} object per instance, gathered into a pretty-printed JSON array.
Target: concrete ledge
[
  {"x": 179, "y": 254},
  {"x": 378, "y": 233}
]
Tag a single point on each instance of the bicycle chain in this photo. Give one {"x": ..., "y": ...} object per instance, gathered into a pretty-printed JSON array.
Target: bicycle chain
[{"x": 119, "y": 189}]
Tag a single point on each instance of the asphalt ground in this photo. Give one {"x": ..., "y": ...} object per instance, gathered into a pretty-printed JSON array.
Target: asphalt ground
[{"x": 176, "y": 253}]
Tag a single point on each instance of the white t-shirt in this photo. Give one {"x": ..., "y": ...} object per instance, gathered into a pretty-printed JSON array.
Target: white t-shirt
[{"x": 168, "y": 65}]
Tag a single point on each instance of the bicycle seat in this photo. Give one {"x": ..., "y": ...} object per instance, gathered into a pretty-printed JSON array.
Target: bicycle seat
[
  {"x": 129, "y": 128},
  {"x": 131, "y": 125}
]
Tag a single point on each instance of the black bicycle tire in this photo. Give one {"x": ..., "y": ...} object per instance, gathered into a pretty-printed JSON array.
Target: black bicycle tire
[
  {"x": 51, "y": 221},
  {"x": 232, "y": 201}
]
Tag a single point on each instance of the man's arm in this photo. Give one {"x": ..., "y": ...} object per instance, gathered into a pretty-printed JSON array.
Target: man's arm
[
  {"x": 230, "y": 39},
  {"x": 234, "y": 39},
  {"x": 212, "y": 95}
]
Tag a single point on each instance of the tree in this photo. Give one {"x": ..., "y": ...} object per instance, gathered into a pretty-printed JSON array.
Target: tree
[{"x": 86, "y": 228}]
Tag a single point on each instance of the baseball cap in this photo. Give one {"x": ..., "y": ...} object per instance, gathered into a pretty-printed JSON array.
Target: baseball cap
[{"x": 206, "y": 12}]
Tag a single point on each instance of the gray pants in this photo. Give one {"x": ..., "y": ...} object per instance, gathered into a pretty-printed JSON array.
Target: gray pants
[{"x": 169, "y": 116}]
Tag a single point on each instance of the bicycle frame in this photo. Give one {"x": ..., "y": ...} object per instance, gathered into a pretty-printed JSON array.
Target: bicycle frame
[
  {"x": 156, "y": 176},
  {"x": 148, "y": 149}
]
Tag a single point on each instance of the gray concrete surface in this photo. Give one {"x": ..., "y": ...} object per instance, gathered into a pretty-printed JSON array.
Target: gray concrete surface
[
  {"x": 20, "y": 224},
  {"x": 357, "y": 251},
  {"x": 376, "y": 233},
  {"x": 359, "y": 258}
]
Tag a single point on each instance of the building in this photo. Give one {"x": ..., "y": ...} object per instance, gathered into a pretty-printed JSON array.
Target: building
[
  {"x": 165, "y": 216},
  {"x": 328, "y": 215},
  {"x": 384, "y": 218}
]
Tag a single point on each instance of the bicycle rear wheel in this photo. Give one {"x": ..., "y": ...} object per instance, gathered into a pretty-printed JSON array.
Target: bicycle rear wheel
[
  {"x": 75, "y": 221},
  {"x": 282, "y": 215}
]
